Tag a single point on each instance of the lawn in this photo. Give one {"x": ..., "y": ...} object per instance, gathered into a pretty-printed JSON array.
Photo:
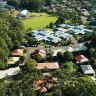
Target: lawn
[{"x": 38, "y": 20}]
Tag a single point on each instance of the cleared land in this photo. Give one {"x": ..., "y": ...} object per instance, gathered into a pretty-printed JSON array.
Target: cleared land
[{"x": 38, "y": 20}]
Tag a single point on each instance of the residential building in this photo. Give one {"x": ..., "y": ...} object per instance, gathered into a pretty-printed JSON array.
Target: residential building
[
  {"x": 17, "y": 53},
  {"x": 41, "y": 52},
  {"x": 87, "y": 69},
  {"x": 47, "y": 66},
  {"x": 4, "y": 74},
  {"x": 81, "y": 59}
]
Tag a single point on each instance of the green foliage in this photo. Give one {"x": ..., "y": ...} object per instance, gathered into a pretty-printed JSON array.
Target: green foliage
[
  {"x": 48, "y": 2},
  {"x": 62, "y": 74},
  {"x": 31, "y": 63},
  {"x": 49, "y": 57},
  {"x": 37, "y": 57},
  {"x": 92, "y": 52},
  {"x": 2, "y": 89},
  {"x": 28, "y": 4},
  {"x": 60, "y": 56},
  {"x": 69, "y": 65},
  {"x": 68, "y": 55},
  {"x": 14, "y": 3},
  {"x": 51, "y": 25},
  {"x": 11, "y": 35},
  {"x": 78, "y": 86}
]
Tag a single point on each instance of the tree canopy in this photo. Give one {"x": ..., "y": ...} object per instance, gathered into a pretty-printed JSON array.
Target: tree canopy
[
  {"x": 11, "y": 34},
  {"x": 27, "y": 4}
]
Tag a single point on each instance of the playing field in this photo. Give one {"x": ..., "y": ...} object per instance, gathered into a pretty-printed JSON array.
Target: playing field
[{"x": 39, "y": 20}]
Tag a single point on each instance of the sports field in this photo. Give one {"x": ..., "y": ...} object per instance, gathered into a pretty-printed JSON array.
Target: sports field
[{"x": 38, "y": 20}]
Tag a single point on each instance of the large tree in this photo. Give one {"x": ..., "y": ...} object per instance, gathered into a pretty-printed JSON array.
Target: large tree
[
  {"x": 27, "y": 4},
  {"x": 11, "y": 35},
  {"x": 68, "y": 55},
  {"x": 15, "y": 3}
]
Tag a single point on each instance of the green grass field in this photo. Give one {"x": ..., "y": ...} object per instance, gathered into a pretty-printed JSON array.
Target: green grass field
[{"x": 38, "y": 21}]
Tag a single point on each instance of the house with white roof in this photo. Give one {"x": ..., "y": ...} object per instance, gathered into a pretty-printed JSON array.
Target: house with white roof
[
  {"x": 87, "y": 69},
  {"x": 13, "y": 71},
  {"x": 13, "y": 60},
  {"x": 80, "y": 47},
  {"x": 4, "y": 74},
  {"x": 55, "y": 51}
]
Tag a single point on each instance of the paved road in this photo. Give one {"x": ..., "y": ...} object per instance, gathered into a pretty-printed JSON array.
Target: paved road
[{"x": 31, "y": 49}]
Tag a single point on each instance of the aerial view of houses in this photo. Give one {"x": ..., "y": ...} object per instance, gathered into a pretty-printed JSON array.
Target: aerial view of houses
[{"x": 47, "y": 48}]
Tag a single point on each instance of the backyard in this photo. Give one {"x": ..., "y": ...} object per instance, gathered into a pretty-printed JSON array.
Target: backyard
[{"x": 38, "y": 20}]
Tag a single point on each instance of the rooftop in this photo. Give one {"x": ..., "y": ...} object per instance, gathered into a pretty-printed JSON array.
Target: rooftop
[
  {"x": 87, "y": 69},
  {"x": 53, "y": 65},
  {"x": 81, "y": 59},
  {"x": 17, "y": 52}
]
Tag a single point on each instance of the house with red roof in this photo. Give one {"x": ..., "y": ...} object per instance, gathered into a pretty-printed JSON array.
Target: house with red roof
[
  {"x": 81, "y": 59},
  {"x": 43, "y": 85},
  {"x": 47, "y": 66},
  {"x": 41, "y": 52},
  {"x": 17, "y": 53}
]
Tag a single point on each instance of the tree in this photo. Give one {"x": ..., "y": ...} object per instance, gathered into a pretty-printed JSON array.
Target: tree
[
  {"x": 60, "y": 56},
  {"x": 48, "y": 2},
  {"x": 78, "y": 87},
  {"x": 93, "y": 62},
  {"x": 35, "y": 5},
  {"x": 51, "y": 25},
  {"x": 11, "y": 35},
  {"x": 92, "y": 52},
  {"x": 37, "y": 57},
  {"x": 62, "y": 74},
  {"x": 3, "y": 55},
  {"x": 17, "y": 44},
  {"x": 57, "y": 91},
  {"x": 2, "y": 89},
  {"x": 31, "y": 63},
  {"x": 49, "y": 57},
  {"x": 15, "y": 3},
  {"x": 68, "y": 55}
]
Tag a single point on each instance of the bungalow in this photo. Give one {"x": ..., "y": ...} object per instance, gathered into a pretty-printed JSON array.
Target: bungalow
[
  {"x": 87, "y": 69},
  {"x": 55, "y": 51},
  {"x": 13, "y": 60},
  {"x": 80, "y": 47},
  {"x": 47, "y": 66},
  {"x": 17, "y": 53},
  {"x": 4, "y": 74},
  {"x": 44, "y": 85},
  {"x": 41, "y": 52},
  {"x": 13, "y": 71},
  {"x": 81, "y": 59}
]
